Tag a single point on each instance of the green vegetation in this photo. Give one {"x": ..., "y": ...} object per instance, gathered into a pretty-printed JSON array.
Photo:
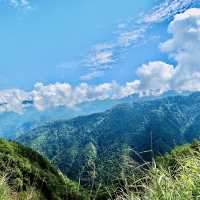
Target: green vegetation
[
  {"x": 95, "y": 149},
  {"x": 24, "y": 174},
  {"x": 99, "y": 151},
  {"x": 176, "y": 176},
  {"x": 5, "y": 191}
]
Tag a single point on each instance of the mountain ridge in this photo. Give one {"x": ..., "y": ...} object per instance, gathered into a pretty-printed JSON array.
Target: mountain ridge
[
  {"x": 13, "y": 124},
  {"x": 96, "y": 141}
]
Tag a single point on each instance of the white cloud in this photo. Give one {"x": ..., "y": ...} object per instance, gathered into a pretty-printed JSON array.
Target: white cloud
[
  {"x": 102, "y": 58},
  {"x": 153, "y": 78},
  {"x": 128, "y": 89},
  {"x": 128, "y": 38},
  {"x": 168, "y": 9},
  {"x": 19, "y": 3},
  {"x": 11, "y": 100},
  {"x": 43, "y": 97},
  {"x": 63, "y": 94},
  {"x": 92, "y": 75},
  {"x": 184, "y": 47},
  {"x": 54, "y": 95}
]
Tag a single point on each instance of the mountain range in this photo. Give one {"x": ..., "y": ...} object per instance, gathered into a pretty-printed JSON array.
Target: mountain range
[
  {"x": 95, "y": 149},
  {"x": 13, "y": 124}
]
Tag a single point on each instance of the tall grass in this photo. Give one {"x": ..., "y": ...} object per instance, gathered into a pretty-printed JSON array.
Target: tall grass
[
  {"x": 9, "y": 193},
  {"x": 5, "y": 190},
  {"x": 176, "y": 176}
]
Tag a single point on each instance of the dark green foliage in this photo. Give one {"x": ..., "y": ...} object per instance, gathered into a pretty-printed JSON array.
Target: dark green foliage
[{"x": 27, "y": 169}]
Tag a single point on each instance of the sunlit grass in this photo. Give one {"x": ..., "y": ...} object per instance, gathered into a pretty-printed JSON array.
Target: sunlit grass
[{"x": 173, "y": 177}]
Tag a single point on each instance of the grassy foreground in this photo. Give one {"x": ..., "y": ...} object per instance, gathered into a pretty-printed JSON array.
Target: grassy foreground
[
  {"x": 175, "y": 176},
  {"x": 8, "y": 193}
]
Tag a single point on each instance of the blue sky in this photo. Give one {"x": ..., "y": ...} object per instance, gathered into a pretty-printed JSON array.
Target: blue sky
[
  {"x": 69, "y": 52},
  {"x": 49, "y": 42}
]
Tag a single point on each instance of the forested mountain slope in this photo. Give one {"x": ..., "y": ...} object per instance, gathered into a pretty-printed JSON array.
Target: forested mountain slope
[{"x": 97, "y": 148}]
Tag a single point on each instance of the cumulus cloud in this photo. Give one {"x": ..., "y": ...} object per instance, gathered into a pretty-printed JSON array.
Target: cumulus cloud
[
  {"x": 103, "y": 56},
  {"x": 54, "y": 95},
  {"x": 43, "y": 97},
  {"x": 128, "y": 89},
  {"x": 184, "y": 47},
  {"x": 155, "y": 76},
  {"x": 11, "y": 100}
]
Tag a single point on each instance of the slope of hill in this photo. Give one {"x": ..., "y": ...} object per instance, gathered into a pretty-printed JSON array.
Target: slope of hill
[
  {"x": 25, "y": 174},
  {"x": 97, "y": 148},
  {"x": 13, "y": 124}
]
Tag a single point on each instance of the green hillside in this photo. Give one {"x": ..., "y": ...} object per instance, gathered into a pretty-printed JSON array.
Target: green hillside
[
  {"x": 24, "y": 174},
  {"x": 96, "y": 149}
]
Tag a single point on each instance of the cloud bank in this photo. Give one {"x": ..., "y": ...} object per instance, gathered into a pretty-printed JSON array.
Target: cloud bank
[{"x": 43, "y": 96}]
